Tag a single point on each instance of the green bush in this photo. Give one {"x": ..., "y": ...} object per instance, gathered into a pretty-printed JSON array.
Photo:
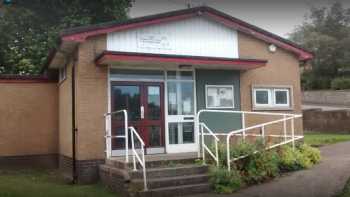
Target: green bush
[
  {"x": 288, "y": 159},
  {"x": 340, "y": 83},
  {"x": 260, "y": 167},
  {"x": 303, "y": 156},
  {"x": 224, "y": 181},
  {"x": 312, "y": 81},
  {"x": 313, "y": 154},
  {"x": 237, "y": 150}
]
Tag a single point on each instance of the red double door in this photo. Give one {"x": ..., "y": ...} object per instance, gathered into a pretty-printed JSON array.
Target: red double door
[{"x": 144, "y": 102}]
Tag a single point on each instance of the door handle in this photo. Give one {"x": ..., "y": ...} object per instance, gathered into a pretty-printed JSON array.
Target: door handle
[{"x": 142, "y": 111}]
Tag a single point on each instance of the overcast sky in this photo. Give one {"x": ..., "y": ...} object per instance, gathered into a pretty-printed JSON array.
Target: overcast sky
[{"x": 277, "y": 16}]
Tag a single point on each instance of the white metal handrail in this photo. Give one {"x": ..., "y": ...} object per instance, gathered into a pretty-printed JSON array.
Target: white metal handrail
[
  {"x": 262, "y": 126},
  {"x": 135, "y": 155},
  {"x": 243, "y": 114},
  {"x": 109, "y": 136},
  {"x": 242, "y": 132},
  {"x": 205, "y": 147}
]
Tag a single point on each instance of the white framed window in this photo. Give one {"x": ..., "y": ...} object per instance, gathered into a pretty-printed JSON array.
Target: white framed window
[
  {"x": 272, "y": 97},
  {"x": 219, "y": 96},
  {"x": 62, "y": 74}
]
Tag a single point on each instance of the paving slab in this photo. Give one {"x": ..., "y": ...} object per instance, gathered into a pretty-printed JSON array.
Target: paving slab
[{"x": 323, "y": 180}]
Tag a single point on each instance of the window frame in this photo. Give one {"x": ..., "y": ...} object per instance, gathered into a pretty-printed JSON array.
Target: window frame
[
  {"x": 269, "y": 96},
  {"x": 219, "y": 86},
  {"x": 272, "y": 98},
  {"x": 281, "y": 90},
  {"x": 62, "y": 74}
]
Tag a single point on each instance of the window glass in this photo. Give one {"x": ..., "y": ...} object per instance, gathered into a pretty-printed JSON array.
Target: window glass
[
  {"x": 154, "y": 136},
  {"x": 173, "y": 133},
  {"x": 188, "y": 132},
  {"x": 180, "y": 98},
  {"x": 127, "y": 97},
  {"x": 262, "y": 97},
  {"x": 187, "y": 98},
  {"x": 171, "y": 74},
  {"x": 281, "y": 97},
  {"x": 153, "y": 102},
  {"x": 219, "y": 96},
  {"x": 272, "y": 97},
  {"x": 172, "y": 98},
  {"x": 136, "y": 74},
  {"x": 186, "y": 75}
]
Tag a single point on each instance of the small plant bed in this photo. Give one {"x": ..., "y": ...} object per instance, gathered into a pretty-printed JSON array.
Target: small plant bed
[
  {"x": 320, "y": 139},
  {"x": 260, "y": 166},
  {"x": 43, "y": 183}
]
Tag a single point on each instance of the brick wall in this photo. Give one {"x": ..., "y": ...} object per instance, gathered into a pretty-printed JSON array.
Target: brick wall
[
  {"x": 92, "y": 99},
  {"x": 327, "y": 121},
  {"x": 282, "y": 68},
  {"x": 28, "y": 122}
]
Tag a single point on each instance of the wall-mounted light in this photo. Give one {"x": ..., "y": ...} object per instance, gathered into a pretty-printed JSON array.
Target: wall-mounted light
[{"x": 272, "y": 48}]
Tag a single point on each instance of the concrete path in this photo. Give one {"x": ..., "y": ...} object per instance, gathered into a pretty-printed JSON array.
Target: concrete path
[{"x": 323, "y": 180}]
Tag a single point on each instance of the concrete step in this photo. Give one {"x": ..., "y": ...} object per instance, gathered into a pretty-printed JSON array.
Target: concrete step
[
  {"x": 151, "y": 164},
  {"x": 170, "y": 171},
  {"x": 171, "y": 181},
  {"x": 176, "y": 190}
]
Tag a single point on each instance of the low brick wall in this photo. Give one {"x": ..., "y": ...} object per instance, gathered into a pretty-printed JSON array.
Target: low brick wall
[
  {"x": 49, "y": 161},
  {"x": 87, "y": 170},
  {"x": 327, "y": 97},
  {"x": 337, "y": 121}
]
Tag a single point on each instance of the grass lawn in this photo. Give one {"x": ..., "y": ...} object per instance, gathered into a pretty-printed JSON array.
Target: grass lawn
[
  {"x": 320, "y": 139},
  {"x": 44, "y": 183}
]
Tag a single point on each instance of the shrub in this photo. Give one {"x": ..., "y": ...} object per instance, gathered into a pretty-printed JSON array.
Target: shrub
[
  {"x": 312, "y": 153},
  {"x": 303, "y": 156},
  {"x": 288, "y": 159},
  {"x": 224, "y": 181},
  {"x": 340, "y": 83},
  {"x": 237, "y": 150},
  {"x": 312, "y": 81},
  {"x": 260, "y": 166}
]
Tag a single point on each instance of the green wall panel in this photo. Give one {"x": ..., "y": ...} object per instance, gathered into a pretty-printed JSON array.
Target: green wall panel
[{"x": 218, "y": 122}]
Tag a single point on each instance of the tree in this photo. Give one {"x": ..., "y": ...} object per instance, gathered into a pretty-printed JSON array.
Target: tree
[
  {"x": 326, "y": 32},
  {"x": 29, "y": 28}
]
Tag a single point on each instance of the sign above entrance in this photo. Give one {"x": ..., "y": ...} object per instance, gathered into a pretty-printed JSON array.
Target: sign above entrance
[
  {"x": 196, "y": 36},
  {"x": 156, "y": 40}
]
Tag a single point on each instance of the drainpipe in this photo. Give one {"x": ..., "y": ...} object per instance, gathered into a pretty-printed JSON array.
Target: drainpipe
[{"x": 74, "y": 129}]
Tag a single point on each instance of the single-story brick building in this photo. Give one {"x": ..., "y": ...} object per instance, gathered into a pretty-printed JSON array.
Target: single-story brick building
[{"x": 162, "y": 70}]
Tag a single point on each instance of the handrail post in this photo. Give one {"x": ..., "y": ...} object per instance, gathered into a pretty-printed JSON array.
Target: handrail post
[
  {"x": 126, "y": 129},
  {"x": 198, "y": 136},
  {"x": 144, "y": 168},
  {"x": 203, "y": 153},
  {"x": 292, "y": 127},
  {"x": 263, "y": 133},
  {"x": 228, "y": 153},
  {"x": 216, "y": 153},
  {"x": 108, "y": 137},
  {"x": 133, "y": 149},
  {"x": 243, "y": 125},
  {"x": 285, "y": 127}
]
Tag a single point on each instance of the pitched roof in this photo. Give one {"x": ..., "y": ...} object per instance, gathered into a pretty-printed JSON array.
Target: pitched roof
[{"x": 80, "y": 34}]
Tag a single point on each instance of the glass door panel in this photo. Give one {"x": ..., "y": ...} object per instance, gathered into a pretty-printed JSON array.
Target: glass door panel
[
  {"x": 153, "y": 103},
  {"x": 127, "y": 97},
  {"x": 181, "y": 110},
  {"x": 144, "y": 103}
]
